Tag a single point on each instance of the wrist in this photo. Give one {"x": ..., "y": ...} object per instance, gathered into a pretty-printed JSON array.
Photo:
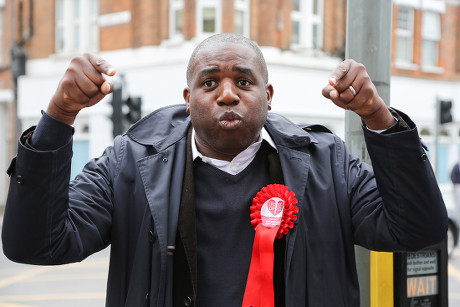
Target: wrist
[
  {"x": 379, "y": 120},
  {"x": 59, "y": 114}
]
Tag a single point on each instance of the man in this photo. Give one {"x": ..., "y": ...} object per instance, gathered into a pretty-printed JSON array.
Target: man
[{"x": 172, "y": 195}]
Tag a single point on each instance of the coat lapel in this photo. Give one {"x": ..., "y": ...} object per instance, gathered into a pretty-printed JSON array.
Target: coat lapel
[{"x": 295, "y": 165}]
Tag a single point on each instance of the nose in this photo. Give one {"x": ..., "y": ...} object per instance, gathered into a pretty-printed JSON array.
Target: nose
[{"x": 228, "y": 94}]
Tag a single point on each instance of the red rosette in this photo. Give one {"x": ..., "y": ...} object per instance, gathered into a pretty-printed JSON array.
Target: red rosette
[
  {"x": 273, "y": 213},
  {"x": 290, "y": 207}
]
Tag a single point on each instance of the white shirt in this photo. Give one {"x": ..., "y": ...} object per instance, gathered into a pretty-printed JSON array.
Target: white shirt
[{"x": 238, "y": 163}]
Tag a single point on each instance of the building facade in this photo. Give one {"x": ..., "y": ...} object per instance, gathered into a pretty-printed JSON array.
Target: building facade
[{"x": 150, "y": 41}]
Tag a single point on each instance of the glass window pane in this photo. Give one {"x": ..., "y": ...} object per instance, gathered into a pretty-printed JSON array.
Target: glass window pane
[
  {"x": 442, "y": 173},
  {"x": 315, "y": 7},
  {"x": 404, "y": 50},
  {"x": 404, "y": 19},
  {"x": 296, "y": 5},
  {"x": 80, "y": 157},
  {"x": 76, "y": 37},
  {"x": 209, "y": 20},
  {"x": 76, "y": 8},
  {"x": 179, "y": 21},
  {"x": 430, "y": 53},
  {"x": 431, "y": 25},
  {"x": 239, "y": 22},
  {"x": 94, "y": 7},
  {"x": 315, "y": 36},
  {"x": 59, "y": 10},
  {"x": 295, "y": 32},
  {"x": 60, "y": 39}
]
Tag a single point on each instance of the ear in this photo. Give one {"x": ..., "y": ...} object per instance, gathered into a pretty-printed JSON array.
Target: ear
[
  {"x": 269, "y": 92},
  {"x": 186, "y": 95}
]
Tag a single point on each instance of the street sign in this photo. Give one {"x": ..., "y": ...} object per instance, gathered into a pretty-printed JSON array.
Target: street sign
[{"x": 421, "y": 277}]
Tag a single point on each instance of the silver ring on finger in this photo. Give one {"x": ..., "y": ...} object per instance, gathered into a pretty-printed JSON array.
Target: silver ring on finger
[{"x": 352, "y": 89}]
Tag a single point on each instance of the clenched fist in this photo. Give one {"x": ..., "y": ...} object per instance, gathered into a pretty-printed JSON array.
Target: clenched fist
[
  {"x": 351, "y": 88},
  {"x": 82, "y": 85}
]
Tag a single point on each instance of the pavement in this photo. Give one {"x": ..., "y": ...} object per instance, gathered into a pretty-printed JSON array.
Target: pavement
[{"x": 70, "y": 285}]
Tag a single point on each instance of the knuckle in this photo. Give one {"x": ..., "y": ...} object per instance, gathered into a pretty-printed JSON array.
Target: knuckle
[
  {"x": 78, "y": 60},
  {"x": 67, "y": 81},
  {"x": 87, "y": 56},
  {"x": 92, "y": 91},
  {"x": 342, "y": 68},
  {"x": 100, "y": 61},
  {"x": 360, "y": 68}
]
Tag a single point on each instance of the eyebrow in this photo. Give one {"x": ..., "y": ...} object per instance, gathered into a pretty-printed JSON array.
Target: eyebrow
[
  {"x": 243, "y": 70},
  {"x": 208, "y": 71},
  {"x": 211, "y": 70}
]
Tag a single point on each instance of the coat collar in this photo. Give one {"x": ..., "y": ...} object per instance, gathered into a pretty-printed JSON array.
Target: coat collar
[
  {"x": 161, "y": 128},
  {"x": 287, "y": 134}
]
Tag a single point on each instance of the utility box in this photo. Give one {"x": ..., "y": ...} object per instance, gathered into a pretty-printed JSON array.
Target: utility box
[{"x": 420, "y": 278}]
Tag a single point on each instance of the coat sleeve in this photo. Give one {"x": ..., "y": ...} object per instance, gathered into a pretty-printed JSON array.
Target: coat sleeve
[
  {"x": 48, "y": 220},
  {"x": 404, "y": 210}
]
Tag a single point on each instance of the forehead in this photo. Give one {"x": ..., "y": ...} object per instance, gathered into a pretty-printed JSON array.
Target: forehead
[{"x": 226, "y": 56}]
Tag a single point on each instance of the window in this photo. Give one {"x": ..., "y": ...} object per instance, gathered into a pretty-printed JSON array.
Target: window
[
  {"x": 76, "y": 25},
  {"x": 242, "y": 17},
  {"x": 80, "y": 157},
  {"x": 431, "y": 35},
  {"x": 209, "y": 20},
  {"x": 297, "y": 18},
  {"x": 307, "y": 24},
  {"x": 405, "y": 35},
  {"x": 176, "y": 18},
  {"x": 442, "y": 172}
]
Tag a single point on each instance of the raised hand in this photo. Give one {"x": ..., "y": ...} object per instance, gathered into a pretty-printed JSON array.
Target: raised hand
[
  {"x": 351, "y": 88},
  {"x": 82, "y": 85}
]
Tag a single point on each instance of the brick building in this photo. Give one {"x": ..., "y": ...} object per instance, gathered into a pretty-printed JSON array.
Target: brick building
[{"x": 149, "y": 42}]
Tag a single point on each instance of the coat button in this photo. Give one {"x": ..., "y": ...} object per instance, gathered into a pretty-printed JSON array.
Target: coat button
[
  {"x": 188, "y": 301},
  {"x": 423, "y": 157},
  {"x": 19, "y": 179},
  {"x": 165, "y": 159},
  {"x": 151, "y": 236}
]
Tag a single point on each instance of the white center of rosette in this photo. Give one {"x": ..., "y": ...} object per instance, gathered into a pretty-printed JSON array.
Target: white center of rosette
[{"x": 272, "y": 212}]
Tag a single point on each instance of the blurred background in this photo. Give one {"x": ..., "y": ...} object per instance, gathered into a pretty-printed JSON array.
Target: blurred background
[{"x": 149, "y": 42}]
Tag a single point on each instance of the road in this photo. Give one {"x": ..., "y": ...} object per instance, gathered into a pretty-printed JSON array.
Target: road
[
  {"x": 454, "y": 278},
  {"x": 71, "y": 285},
  {"x": 84, "y": 284}
]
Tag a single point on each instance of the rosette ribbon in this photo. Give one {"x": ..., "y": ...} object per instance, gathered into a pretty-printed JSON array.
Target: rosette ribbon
[{"x": 273, "y": 213}]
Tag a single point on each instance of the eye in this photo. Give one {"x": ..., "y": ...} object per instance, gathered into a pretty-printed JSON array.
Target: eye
[
  {"x": 244, "y": 82},
  {"x": 209, "y": 83}
]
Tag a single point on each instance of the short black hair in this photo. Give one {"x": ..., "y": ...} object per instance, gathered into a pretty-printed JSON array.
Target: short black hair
[{"x": 228, "y": 38}]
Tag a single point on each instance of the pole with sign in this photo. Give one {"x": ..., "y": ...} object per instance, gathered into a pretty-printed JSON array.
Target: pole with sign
[{"x": 387, "y": 279}]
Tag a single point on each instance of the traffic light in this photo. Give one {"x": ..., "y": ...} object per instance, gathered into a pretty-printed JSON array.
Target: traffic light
[
  {"x": 134, "y": 109},
  {"x": 126, "y": 109},
  {"x": 445, "y": 111}
]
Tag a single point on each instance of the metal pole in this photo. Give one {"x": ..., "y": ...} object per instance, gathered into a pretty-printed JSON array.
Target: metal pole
[{"x": 368, "y": 41}]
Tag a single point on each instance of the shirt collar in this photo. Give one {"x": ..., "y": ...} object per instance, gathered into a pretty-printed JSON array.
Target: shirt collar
[{"x": 240, "y": 161}]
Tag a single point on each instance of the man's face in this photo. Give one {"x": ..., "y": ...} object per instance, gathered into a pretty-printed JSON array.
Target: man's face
[{"x": 227, "y": 100}]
